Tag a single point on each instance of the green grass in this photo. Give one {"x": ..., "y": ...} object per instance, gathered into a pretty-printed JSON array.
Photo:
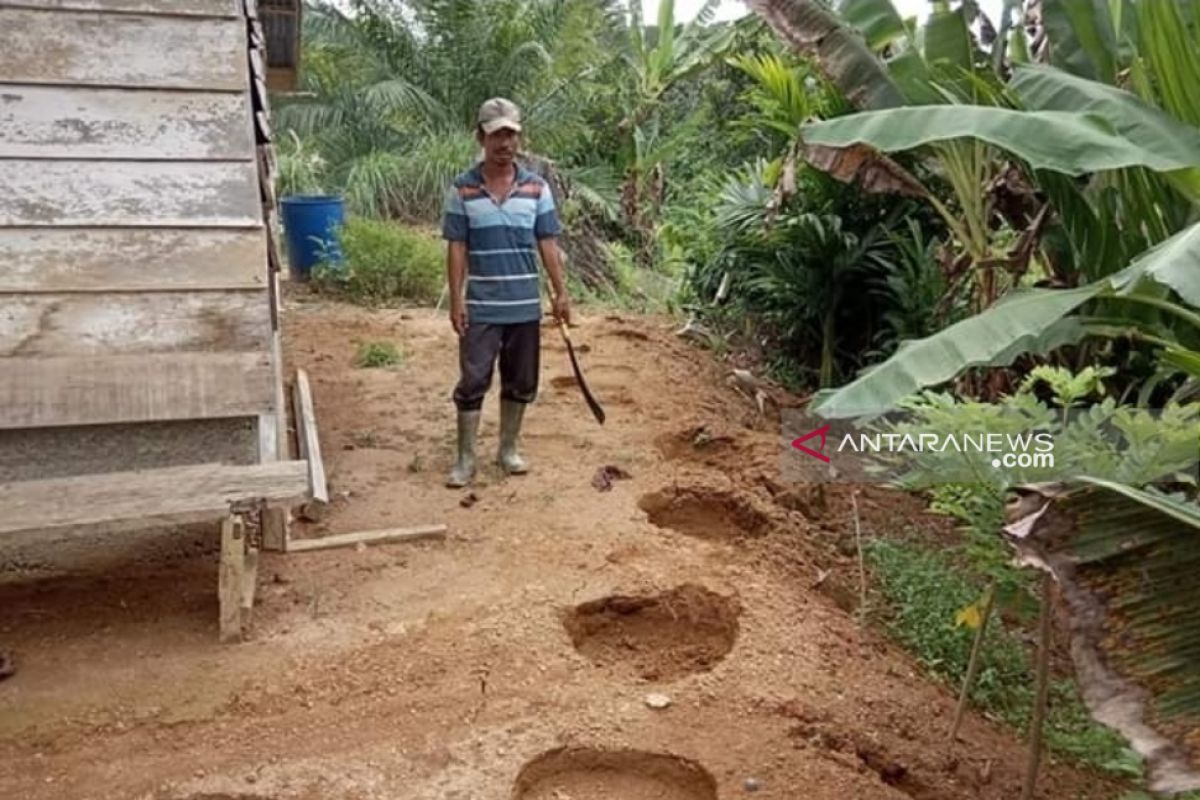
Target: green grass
[
  {"x": 377, "y": 354},
  {"x": 924, "y": 591}
]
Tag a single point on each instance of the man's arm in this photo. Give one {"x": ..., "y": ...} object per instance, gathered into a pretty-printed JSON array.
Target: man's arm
[
  {"x": 454, "y": 231},
  {"x": 456, "y": 272},
  {"x": 552, "y": 260},
  {"x": 547, "y": 228}
]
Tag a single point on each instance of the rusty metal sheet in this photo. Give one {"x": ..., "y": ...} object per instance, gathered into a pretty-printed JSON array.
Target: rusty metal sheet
[
  {"x": 134, "y": 322},
  {"x": 112, "y": 193},
  {"x": 131, "y": 259},
  {"x": 73, "y": 122},
  {"x": 97, "y": 49}
]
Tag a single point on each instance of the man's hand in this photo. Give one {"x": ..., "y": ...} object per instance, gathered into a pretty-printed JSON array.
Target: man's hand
[
  {"x": 458, "y": 316},
  {"x": 561, "y": 308}
]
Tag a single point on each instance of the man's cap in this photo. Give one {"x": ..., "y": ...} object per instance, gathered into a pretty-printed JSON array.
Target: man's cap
[{"x": 499, "y": 113}]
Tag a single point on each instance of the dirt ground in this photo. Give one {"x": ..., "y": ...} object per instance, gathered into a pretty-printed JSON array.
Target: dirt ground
[{"x": 662, "y": 639}]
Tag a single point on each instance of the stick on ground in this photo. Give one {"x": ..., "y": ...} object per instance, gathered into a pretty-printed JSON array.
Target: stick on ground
[
  {"x": 366, "y": 537},
  {"x": 989, "y": 598},
  {"x": 862, "y": 567}
]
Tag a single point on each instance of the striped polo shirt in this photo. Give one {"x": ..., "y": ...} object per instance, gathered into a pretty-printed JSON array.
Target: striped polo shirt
[{"x": 502, "y": 264}]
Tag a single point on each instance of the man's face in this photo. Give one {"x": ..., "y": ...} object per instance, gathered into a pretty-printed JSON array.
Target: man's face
[{"x": 501, "y": 146}]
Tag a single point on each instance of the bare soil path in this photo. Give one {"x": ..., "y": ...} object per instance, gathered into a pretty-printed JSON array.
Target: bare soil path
[{"x": 515, "y": 658}]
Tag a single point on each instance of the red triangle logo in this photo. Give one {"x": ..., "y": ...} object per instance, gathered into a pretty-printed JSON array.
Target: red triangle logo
[{"x": 822, "y": 431}]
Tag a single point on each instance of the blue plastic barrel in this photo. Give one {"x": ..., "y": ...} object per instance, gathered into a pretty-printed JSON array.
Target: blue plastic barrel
[{"x": 311, "y": 224}]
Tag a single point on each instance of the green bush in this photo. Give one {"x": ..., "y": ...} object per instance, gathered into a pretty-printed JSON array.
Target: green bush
[
  {"x": 386, "y": 262},
  {"x": 377, "y": 354}
]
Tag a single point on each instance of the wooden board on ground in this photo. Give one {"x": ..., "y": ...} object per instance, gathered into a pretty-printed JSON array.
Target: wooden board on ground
[
  {"x": 119, "y": 323},
  {"x": 131, "y": 259},
  {"x": 200, "y": 8},
  {"x": 87, "y": 390},
  {"x": 36, "y": 192},
  {"x": 160, "y": 495},
  {"x": 382, "y": 536},
  {"x": 306, "y": 436},
  {"x": 97, "y": 49},
  {"x": 83, "y": 122}
]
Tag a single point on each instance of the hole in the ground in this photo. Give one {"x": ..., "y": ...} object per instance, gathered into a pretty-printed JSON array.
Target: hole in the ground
[
  {"x": 563, "y": 381},
  {"x": 704, "y": 513},
  {"x": 656, "y": 637},
  {"x": 592, "y": 774},
  {"x": 696, "y": 442}
]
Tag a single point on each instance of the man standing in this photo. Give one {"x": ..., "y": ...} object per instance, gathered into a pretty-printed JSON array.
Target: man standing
[{"x": 498, "y": 218}]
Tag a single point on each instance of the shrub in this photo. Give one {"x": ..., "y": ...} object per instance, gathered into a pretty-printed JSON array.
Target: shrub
[
  {"x": 377, "y": 354},
  {"x": 386, "y": 262}
]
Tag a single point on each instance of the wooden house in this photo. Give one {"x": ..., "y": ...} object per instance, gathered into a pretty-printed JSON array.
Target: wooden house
[{"x": 140, "y": 367}]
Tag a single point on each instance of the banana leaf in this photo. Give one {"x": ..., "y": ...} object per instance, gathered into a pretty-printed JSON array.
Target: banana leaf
[
  {"x": 877, "y": 20},
  {"x": 1047, "y": 89},
  {"x": 947, "y": 37},
  {"x": 1125, "y": 561},
  {"x": 1033, "y": 320},
  {"x": 1081, "y": 37},
  {"x": 1069, "y": 142},
  {"x": 838, "y": 49},
  {"x": 1029, "y": 321}
]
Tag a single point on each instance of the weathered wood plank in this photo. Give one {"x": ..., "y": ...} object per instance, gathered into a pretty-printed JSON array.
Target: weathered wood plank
[
  {"x": 230, "y": 575},
  {"x": 384, "y": 536},
  {"x": 249, "y": 586},
  {"x": 96, "y": 49},
  {"x": 169, "y": 493},
  {"x": 200, "y": 8},
  {"x": 306, "y": 436},
  {"x": 129, "y": 323},
  {"x": 274, "y": 523},
  {"x": 43, "y": 392},
  {"x": 131, "y": 259},
  {"x": 75, "y": 122},
  {"x": 103, "y": 193}
]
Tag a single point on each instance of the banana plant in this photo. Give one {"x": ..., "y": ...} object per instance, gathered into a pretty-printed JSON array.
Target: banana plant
[
  {"x": 674, "y": 56},
  {"x": 883, "y": 62},
  {"x": 1032, "y": 321},
  {"x": 1070, "y": 127}
]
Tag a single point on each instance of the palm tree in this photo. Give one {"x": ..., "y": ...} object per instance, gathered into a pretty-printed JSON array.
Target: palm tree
[{"x": 392, "y": 87}]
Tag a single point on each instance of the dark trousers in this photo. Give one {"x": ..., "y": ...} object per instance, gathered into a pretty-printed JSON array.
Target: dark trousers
[{"x": 519, "y": 349}]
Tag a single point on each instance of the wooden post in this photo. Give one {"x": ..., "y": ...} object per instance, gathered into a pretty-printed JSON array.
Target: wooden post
[
  {"x": 275, "y": 528},
  {"x": 231, "y": 576},
  {"x": 249, "y": 584}
]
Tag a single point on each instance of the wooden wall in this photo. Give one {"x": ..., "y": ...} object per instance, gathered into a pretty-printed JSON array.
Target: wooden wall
[{"x": 135, "y": 284}]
